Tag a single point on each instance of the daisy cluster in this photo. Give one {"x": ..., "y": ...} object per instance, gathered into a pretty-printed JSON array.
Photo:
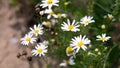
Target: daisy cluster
[
  {"x": 38, "y": 30},
  {"x": 31, "y": 39},
  {"x": 47, "y": 5},
  {"x": 77, "y": 43}
]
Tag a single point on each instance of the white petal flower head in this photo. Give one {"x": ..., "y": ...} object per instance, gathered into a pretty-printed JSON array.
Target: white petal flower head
[
  {"x": 37, "y": 30},
  {"x": 45, "y": 43},
  {"x": 103, "y": 38},
  {"x": 28, "y": 39},
  {"x": 39, "y": 50},
  {"x": 110, "y": 16},
  {"x": 50, "y": 13},
  {"x": 103, "y": 26},
  {"x": 67, "y": 62},
  {"x": 80, "y": 42},
  {"x": 59, "y": 15},
  {"x": 41, "y": 13},
  {"x": 70, "y": 51},
  {"x": 49, "y": 3},
  {"x": 70, "y": 26},
  {"x": 86, "y": 20},
  {"x": 46, "y": 23},
  {"x": 54, "y": 21},
  {"x": 90, "y": 53}
]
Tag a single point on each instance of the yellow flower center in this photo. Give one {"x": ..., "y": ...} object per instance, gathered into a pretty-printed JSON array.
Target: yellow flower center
[
  {"x": 47, "y": 23},
  {"x": 86, "y": 22},
  {"x": 36, "y": 31},
  {"x": 80, "y": 43},
  {"x": 69, "y": 50},
  {"x": 28, "y": 39},
  {"x": 49, "y": 1},
  {"x": 40, "y": 50},
  {"x": 59, "y": 15},
  {"x": 103, "y": 38},
  {"x": 70, "y": 27},
  {"x": 67, "y": 62},
  {"x": 51, "y": 13}
]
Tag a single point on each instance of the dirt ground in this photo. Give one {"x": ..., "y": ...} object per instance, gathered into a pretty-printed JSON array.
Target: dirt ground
[
  {"x": 9, "y": 37},
  {"x": 11, "y": 29}
]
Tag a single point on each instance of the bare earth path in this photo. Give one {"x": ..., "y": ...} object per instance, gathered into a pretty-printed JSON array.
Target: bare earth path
[
  {"x": 9, "y": 37},
  {"x": 11, "y": 29}
]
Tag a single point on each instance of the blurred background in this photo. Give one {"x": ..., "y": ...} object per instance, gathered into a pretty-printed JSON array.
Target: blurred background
[{"x": 16, "y": 16}]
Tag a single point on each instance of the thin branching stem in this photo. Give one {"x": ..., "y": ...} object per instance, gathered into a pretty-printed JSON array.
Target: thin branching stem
[{"x": 104, "y": 65}]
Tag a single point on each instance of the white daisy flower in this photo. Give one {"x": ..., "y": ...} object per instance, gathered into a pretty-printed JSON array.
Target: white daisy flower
[
  {"x": 103, "y": 37},
  {"x": 39, "y": 50},
  {"x": 70, "y": 51},
  {"x": 67, "y": 3},
  {"x": 46, "y": 23},
  {"x": 80, "y": 42},
  {"x": 37, "y": 30},
  {"x": 50, "y": 13},
  {"x": 42, "y": 13},
  {"x": 49, "y": 3},
  {"x": 103, "y": 26},
  {"x": 90, "y": 53},
  {"x": 110, "y": 16},
  {"x": 99, "y": 53},
  {"x": 86, "y": 20},
  {"x": 54, "y": 21},
  {"x": 70, "y": 27},
  {"x": 59, "y": 15},
  {"x": 105, "y": 16},
  {"x": 96, "y": 49},
  {"x": 44, "y": 43},
  {"x": 28, "y": 39},
  {"x": 67, "y": 62}
]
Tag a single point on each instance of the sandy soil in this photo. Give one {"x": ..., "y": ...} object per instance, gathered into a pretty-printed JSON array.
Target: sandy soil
[
  {"x": 9, "y": 37},
  {"x": 11, "y": 29}
]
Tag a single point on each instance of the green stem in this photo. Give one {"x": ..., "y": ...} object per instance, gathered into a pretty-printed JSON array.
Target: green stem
[
  {"x": 41, "y": 19},
  {"x": 90, "y": 6},
  {"x": 104, "y": 65},
  {"x": 99, "y": 5}
]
